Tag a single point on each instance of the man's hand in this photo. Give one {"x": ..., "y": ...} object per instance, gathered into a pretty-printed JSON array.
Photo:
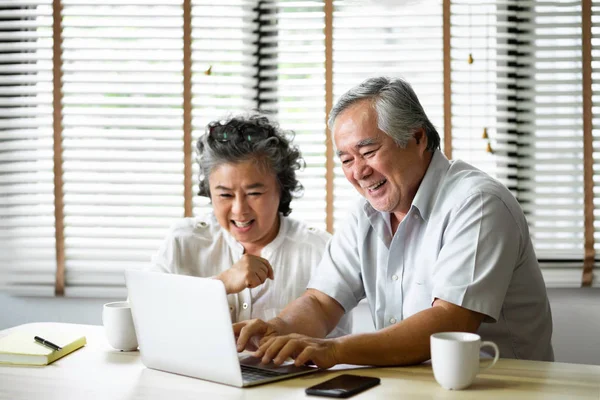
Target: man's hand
[
  {"x": 252, "y": 332},
  {"x": 249, "y": 272},
  {"x": 304, "y": 349}
]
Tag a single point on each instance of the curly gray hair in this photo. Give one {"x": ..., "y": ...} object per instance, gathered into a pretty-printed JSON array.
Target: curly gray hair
[{"x": 244, "y": 138}]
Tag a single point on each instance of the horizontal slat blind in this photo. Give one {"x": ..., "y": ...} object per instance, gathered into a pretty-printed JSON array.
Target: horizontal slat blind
[
  {"x": 123, "y": 159},
  {"x": 224, "y": 70},
  {"x": 474, "y": 90},
  {"x": 27, "y": 244},
  {"x": 550, "y": 178},
  {"x": 525, "y": 86},
  {"x": 596, "y": 131},
  {"x": 397, "y": 39},
  {"x": 123, "y": 117},
  {"x": 512, "y": 49},
  {"x": 292, "y": 87}
]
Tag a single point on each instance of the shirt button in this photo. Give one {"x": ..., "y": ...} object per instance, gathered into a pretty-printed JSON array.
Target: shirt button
[
  {"x": 245, "y": 306},
  {"x": 230, "y": 308},
  {"x": 202, "y": 224},
  {"x": 415, "y": 216},
  {"x": 392, "y": 320},
  {"x": 394, "y": 277},
  {"x": 311, "y": 229}
]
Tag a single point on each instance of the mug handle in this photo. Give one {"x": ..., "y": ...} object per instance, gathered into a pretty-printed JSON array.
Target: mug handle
[{"x": 496, "y": 354}]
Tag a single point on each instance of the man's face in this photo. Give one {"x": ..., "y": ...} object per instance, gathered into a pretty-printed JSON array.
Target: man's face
[{"x": 387, "y": 175}]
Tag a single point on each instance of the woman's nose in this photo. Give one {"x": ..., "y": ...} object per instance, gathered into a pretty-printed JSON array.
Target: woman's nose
[{"x": 240, "y": 205}]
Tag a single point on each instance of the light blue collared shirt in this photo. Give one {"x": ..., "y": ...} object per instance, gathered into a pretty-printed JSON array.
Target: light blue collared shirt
[{"x": 465, "y": 240}]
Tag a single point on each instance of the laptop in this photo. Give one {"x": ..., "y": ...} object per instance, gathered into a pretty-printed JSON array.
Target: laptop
[{"x": 183, "y": 326}]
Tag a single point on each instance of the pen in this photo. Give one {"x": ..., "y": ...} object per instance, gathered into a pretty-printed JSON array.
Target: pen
[{"x": 47, "y": 343}]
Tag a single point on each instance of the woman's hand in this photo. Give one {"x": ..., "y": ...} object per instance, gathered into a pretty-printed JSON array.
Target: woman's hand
[{"x": 249, "y": 272}]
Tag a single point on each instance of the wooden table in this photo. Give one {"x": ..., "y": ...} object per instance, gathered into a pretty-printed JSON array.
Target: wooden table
[{"x": 99, "y": 372}]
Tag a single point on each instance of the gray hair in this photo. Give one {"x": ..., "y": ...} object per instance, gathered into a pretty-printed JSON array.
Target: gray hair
[
  {"x": 251, "y": 138},
  {"x": 399, "y": 112}
]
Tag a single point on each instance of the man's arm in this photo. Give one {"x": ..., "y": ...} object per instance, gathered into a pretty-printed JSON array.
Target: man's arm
[
  {"x": 313, "y": 314},
  {"x": 404, "y": 343}
]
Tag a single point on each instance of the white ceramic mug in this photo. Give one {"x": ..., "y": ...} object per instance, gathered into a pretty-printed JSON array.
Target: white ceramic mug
[
  {"x": 455, "y": 358},
  {"x": 118, "y": 326}
]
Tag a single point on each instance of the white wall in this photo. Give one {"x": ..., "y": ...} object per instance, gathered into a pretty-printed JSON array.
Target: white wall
[
  {"x": 576, "y": 314},
  {"x": 21, "y": 310},
  {"x": 576, "y": 317}
]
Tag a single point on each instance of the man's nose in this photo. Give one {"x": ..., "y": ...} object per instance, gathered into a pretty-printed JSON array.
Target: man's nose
[{"x": 361, "y": 170}]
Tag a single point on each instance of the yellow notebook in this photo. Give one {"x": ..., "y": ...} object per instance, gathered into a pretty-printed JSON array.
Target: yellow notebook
[{"x": 21, "y": 348}]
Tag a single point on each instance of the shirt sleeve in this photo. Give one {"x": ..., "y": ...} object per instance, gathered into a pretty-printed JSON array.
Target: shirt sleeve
[
  {"x": 339, "y": 274},
  {"x": 164, "y": 260},
  {"x": 480, "y": 249}
]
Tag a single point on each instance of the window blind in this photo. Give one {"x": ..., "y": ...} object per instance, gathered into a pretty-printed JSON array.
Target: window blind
[
  {"x": 397, "y": 39},
  {"x": 527, "y": 55},
  {"x": 549, "y": 134},
  {"x": 474, "y": 86},
  {"x": 224, "y": 70},
  {"x": 292, "y": 88},
  {"x": 27, "y": 244},
  {"x": 122, "y": 138},
  {"x": 595, "y": 16}
]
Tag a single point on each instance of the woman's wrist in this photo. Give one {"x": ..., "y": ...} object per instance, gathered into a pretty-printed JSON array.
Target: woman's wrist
[{"x": 223, "y": 278}]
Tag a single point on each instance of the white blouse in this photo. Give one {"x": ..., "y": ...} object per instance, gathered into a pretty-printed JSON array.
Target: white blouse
[{"x": 201, "y": 247}]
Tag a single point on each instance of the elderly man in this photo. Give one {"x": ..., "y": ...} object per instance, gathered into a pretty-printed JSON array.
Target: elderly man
[{"x": 434, "y": 246}]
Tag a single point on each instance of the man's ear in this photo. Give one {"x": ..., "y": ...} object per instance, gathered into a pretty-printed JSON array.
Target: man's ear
[{"x": 419, "y": 135}]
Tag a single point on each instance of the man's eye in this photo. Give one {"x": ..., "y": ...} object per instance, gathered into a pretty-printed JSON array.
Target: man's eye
[
  {"x": 226, "y": 195},
  {"x": 345, "y": 161},
  {"x": 254, "y": 194},
  {"x": 368, "y": 153}
]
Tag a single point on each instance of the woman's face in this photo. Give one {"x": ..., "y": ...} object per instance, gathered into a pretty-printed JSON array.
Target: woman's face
[{"x": 245, "y": 198}]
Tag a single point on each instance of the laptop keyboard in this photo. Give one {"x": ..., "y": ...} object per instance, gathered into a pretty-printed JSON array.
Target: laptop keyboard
[{"x": 251, "y": 374}]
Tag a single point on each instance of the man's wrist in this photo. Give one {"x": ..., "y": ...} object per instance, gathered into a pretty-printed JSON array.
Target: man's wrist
[
  {"x": 338, "y": 348},
  {"x": 280, "y": 325}
]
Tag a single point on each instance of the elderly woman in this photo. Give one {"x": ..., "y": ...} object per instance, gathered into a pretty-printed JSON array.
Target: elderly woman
[{"x": 263, "y": 257}]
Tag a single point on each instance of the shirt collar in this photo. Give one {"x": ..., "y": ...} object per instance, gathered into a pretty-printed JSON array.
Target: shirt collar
[
  {"x": 275, "y": 243},
  {"x": 380, "y": 221},
  {"x": 269, "y": 248},
  {"x": 425, "y": 196}
]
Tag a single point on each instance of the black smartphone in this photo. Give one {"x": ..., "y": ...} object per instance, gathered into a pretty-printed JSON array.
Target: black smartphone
[{"x": 343, "y": 386}]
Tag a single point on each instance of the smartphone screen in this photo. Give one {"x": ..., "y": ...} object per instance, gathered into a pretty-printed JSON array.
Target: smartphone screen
[{"x": 343, "y": 386}]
